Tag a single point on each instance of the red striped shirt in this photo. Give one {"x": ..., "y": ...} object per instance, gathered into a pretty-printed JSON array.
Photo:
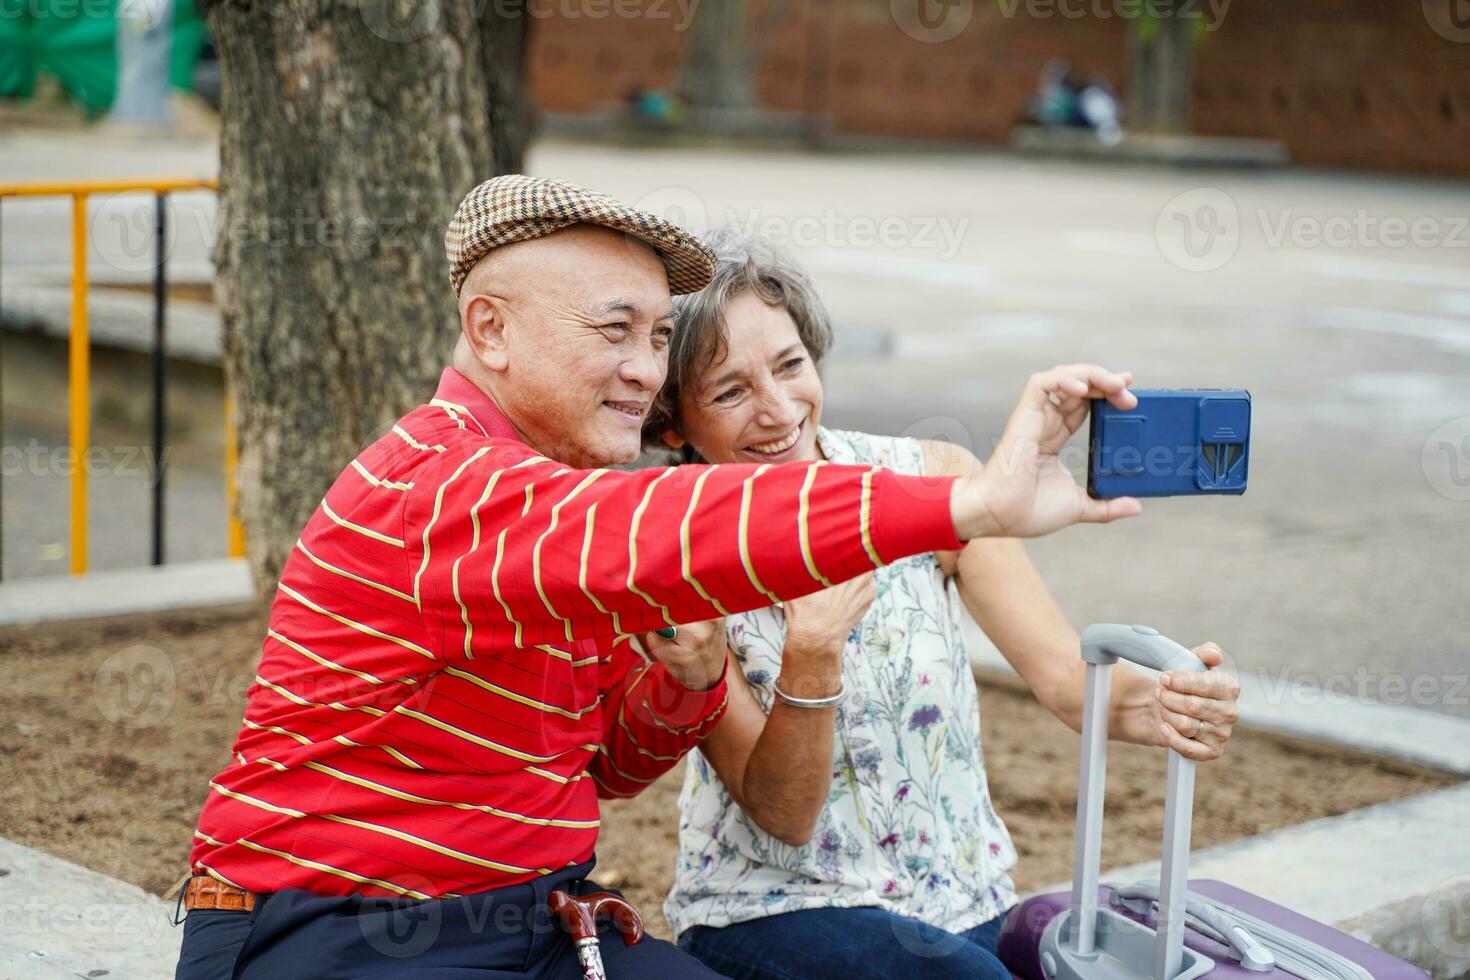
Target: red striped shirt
[{"x": 445, "y": 688}]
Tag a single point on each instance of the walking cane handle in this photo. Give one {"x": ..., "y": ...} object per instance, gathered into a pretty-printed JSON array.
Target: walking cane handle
[{"x": 579, "y": 914}]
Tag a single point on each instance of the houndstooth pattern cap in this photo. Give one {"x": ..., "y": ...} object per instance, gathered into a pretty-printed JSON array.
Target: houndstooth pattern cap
[{"x": 515, "y": 207}]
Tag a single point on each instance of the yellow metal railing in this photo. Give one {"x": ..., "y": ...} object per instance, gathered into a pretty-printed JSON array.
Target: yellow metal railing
[{"x": 79, "y": 348}]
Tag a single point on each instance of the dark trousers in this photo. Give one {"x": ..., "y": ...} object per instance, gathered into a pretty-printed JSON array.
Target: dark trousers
[
  {"x": 846, "y": 944},
  {"x": 493, "y": 935}
]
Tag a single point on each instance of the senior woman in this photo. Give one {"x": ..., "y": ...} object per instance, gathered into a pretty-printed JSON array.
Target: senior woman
[{"x": 837, "y": 822}]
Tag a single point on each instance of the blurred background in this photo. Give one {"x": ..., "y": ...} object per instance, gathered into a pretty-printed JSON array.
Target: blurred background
[
  {"x": 222, "y": 273},
  {"x": 1269, "y": 195}
]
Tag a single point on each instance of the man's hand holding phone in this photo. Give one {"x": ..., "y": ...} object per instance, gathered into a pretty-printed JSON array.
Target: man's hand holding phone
[{"x": 1024, "y": 491}]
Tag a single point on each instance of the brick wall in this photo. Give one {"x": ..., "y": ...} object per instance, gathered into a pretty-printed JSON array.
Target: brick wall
[{"x": 1359, "y": 84}]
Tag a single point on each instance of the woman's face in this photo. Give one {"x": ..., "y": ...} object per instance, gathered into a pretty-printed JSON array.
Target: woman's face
[{"x": 761, "y": 403}]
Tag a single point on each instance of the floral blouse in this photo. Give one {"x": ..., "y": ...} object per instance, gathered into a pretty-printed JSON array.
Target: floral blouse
[{"x": 908, "y": 825}]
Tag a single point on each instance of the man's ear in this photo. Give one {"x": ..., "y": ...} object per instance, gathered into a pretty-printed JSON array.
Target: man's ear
[
  {"x": 484, "y": 324},
  {"x": 673, "y": 440}
]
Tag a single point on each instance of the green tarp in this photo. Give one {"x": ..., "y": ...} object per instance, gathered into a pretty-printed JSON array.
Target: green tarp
[{"x": 76, "y": 41}]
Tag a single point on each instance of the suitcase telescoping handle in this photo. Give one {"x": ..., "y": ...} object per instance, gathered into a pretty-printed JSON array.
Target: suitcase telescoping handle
[{"x": 1103, "y": 644}]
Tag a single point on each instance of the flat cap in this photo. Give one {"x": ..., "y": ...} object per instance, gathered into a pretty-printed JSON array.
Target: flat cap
[{"x": 515, "y": 207}]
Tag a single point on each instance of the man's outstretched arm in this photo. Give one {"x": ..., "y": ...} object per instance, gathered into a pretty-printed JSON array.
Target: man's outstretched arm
[{"x": 543, "y": 554}]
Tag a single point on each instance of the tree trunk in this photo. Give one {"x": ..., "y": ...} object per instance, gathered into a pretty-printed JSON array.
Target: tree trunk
[
  {"x": 717, "y": 65},
  {"x": 1163, "y": 74},
  {"x": 351, "y": 130}
]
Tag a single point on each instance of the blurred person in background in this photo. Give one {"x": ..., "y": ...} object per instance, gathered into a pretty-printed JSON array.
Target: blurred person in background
[{"x": 837, "y": 822}]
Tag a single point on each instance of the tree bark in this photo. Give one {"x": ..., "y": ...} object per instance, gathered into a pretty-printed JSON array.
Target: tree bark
[
  {"x": 351, "y": 130},
  {"x": 717, "y": 67},
  {"x": 1162, "y": 75}
]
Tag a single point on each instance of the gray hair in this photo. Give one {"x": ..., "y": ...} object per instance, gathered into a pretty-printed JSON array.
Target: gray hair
[{"x": 743, "y": 263}]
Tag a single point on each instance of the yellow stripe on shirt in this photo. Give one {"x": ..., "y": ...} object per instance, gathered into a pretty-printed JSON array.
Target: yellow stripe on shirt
[
  {"x": 745, "y": 494},
  {"x": 364, "y": 531},
  {"x": 685, "y": 555}
]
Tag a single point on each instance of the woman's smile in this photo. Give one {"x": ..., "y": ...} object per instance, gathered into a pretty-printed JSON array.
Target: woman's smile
[{"x": 781, "y": 449}]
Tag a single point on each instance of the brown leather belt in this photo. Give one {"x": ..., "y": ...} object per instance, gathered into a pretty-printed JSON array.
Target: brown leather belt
[{"x": 204, "y": 892}]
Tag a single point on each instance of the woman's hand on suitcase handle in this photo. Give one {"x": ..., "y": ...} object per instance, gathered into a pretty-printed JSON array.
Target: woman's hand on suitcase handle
[{"x": 1197, "y": 710}]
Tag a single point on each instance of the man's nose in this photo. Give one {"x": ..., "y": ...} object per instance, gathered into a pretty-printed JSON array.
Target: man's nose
[{"x": 644, "y": 367}]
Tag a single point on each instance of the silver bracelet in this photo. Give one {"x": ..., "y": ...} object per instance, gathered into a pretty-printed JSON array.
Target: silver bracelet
[{"x": 830, "y": 701}]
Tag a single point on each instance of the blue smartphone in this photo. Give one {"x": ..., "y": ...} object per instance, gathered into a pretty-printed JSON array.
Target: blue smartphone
[{"x": 1174, "y": 442}]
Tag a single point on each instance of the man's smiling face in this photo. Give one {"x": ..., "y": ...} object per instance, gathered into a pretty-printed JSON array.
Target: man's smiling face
[{"x": 572, "y": 330}]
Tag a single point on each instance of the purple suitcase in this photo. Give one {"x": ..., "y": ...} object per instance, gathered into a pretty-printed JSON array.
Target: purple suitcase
[{"x": 1099, "y": 932}]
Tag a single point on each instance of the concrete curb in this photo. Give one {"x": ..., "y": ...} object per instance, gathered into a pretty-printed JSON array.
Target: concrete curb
[
  {"x": 185, "y": 585},
  {"x": 116, "y": 319},
  {"x": 1151, "y": 148},
  {"x": 1408, "y": 734},
  {"x": 58, "y": 919},
  {"x": 1395, "y": 875}
]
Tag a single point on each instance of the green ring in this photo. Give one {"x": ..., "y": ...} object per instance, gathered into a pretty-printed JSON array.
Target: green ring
[{"x": 668, "y": 632}]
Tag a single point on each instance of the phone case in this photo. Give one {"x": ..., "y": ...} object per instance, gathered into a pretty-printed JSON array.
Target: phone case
[{"x": 1174, "y": 442}]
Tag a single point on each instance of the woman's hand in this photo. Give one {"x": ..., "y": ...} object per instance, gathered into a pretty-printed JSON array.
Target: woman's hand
[
  {"x": 695, "y": 657},
  {"x": 1195, "y": 711},
  {"x": 817, "y": 627},
  {"x": 821, "y": 621}
]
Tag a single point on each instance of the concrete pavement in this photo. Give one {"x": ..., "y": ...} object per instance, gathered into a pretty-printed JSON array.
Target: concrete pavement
[
  {"x": 181, "y": 585},
  {"x": 59, "y": 920}
]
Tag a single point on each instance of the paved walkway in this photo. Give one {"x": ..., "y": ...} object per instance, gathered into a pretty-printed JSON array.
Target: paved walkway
[
  {"x": 58, "y": 919},
  {"x": 220, "y": 582}
]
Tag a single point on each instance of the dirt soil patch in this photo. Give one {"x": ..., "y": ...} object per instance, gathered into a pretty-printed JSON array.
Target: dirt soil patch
[{"x": 113, "y": 729}]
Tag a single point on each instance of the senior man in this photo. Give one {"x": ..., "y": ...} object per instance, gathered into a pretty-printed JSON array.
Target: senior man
[{"x": 448, "y": 682}]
